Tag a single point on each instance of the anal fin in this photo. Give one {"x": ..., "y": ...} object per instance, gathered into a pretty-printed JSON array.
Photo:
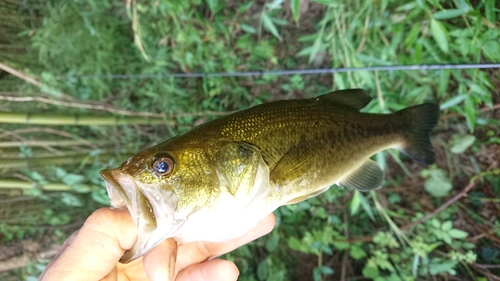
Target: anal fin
[{"x": 367, "y": 177}]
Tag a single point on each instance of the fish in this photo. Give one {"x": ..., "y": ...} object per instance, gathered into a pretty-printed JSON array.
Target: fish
[{"x": 217, "y": 180}]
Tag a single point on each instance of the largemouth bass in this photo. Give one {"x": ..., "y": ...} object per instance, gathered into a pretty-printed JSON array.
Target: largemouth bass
[{"x": 216, "y": 181}]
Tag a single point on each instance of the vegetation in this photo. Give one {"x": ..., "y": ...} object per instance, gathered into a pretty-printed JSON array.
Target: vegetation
[{"x": 108, "y": 63}]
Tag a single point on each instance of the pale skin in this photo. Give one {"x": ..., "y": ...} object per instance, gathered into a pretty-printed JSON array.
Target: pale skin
[{"x": 92, "y": 253}]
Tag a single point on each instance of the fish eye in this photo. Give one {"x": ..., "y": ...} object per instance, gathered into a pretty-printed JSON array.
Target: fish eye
[{"x": 163, "y": 166}]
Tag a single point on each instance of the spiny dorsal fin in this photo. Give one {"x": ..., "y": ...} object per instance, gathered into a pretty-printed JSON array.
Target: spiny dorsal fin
[
  {"x": 355, "y": 98},
  {"x": 367, "y": 177}
]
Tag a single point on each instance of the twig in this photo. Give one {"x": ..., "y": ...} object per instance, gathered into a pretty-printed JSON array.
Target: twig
[
  {"x": 41, "y": 143},
  {"x": 486, "y": 273},
  {"x": 455, "y": 198},
  {"x": 45, "y": 130},
  {"x": 484, "y": 109},
  {"x": 19, "y": 74},
  {"x": 365, "y": 32},
  {"x": 484, "y": 232},
  {"x": 28, "y": 79},
  {"x": 355, "y": 240},
  {"x": 23, "y": 140},
  {"x": 487, "y": 265},
  {"x": 109, "y": 108},
  {"x": 344, "y": 258}
]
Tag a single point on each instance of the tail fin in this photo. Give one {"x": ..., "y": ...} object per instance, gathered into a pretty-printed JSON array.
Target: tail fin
[{"x": 421, "y": 120}]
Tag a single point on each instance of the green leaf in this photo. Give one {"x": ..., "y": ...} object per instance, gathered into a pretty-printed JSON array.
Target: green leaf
[
  {"x": 326, "y": 270},
  {"x": 71, "y": 200},
  {"x": 247, "y": 28},
  {"x": 446, "y": 238},
  {"x": 272, "y": 243},
  {"x": 460, "y": 143},
  {"x": 448, "y": 14},
  {"x": 366, "y": 206},
  {"x": 269, "y": 26},
  {"x": 458, "y": 234},
  {"x": 262, "y": 270},
  {"x": 470, "y": 114},
  {"x": 245, "y": 6},
  {"x": 71, "y": 179},
  {"x": 356, "y": 252},
  {"x": 453, "y": 101},
  {"x": 416, "y": 261},
  {"x": 316, "y": 47},
  {"x": 440, "y": 35},
  {"x": 489, "y": 10},
  {"x": 295, "y": 244},
  {"x": 370, "y": 271},
  {"x": 355, "y": 202},
  {"x": 341, "y": 245},
  {"x": 437, "y": 184},
  {"x": 295, "y": 6},
  {"x": 100, "y": 196},
  {"x": 213, "y": 5},
  {"x": 276, "y": 4},
  {"x": 447, "y": 225},
  {"x": 491, "y": 49}
]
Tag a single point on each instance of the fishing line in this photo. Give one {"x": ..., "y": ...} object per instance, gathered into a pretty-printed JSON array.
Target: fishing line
[{"x": 290, "y": 71}]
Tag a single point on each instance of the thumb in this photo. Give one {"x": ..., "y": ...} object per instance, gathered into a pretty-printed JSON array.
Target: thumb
[{"x": 92, "y": 252}]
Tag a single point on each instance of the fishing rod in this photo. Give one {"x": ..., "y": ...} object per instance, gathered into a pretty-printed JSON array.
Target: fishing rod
[{"x": 290, "y": 71}]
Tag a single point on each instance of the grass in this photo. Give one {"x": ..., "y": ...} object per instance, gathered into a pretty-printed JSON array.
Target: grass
[{"x": 425, "y": 223}]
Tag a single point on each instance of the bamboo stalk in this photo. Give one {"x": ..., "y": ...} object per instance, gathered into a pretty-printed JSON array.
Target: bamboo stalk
[
  {"x": 42, "y": 143},
  {"x": 47, "y": 119},
  {"x": 44, "y": 161},
  {"x": 20, "y": 184}
]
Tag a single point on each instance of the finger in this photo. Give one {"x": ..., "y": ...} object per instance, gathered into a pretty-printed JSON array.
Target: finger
[
  {"x": 215, "y": 269},
  {"x": 96, "y": 248},
  {"x": 63, "y": 248},
  {"x": 159, "y": 263},
  {"x": 196, "y": 252}
]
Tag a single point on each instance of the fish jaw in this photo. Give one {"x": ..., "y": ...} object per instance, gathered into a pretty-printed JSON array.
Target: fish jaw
[{"x": 152, "y": 210}]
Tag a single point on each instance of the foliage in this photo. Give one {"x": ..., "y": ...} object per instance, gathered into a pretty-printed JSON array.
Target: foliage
[{"x": 106, "y": 58}]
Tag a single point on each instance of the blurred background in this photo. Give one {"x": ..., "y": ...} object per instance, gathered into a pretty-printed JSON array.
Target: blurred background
[{"x": 84, "y": 84}]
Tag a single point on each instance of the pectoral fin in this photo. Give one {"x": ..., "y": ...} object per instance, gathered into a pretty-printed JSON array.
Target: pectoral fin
[
  {"x": 293, "y": 165},
  {"x": 367, "y": 177}
]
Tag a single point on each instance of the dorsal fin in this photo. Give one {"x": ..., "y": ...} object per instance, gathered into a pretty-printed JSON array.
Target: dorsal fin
[{"x": 355, "y": 98}]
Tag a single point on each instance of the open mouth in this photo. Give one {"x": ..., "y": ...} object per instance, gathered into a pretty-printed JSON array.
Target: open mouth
[
  {"x": 123, "y": 192},
  {"x": 117, "y": 196}
]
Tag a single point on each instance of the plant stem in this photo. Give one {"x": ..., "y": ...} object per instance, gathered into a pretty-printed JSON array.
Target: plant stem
[
  {"x": 45, "y": 119},
  {"x": 42, "y": 143},
  {"x": 44, "y": 161},
  {"x": 20, "y": 184}
]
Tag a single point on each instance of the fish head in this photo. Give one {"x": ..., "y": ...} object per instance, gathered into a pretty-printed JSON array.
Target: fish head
[{"x": 161, "y": 186}]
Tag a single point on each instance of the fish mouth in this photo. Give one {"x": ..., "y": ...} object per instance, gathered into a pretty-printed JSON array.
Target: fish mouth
[
  {"x": 124, "y": 192},
  {"x": 150, "y": 213},
  {"x": 117, "y": 196}
]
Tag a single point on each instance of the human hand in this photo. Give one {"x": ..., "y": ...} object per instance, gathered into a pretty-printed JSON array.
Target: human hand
[{"x": 93, "y": 252}]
